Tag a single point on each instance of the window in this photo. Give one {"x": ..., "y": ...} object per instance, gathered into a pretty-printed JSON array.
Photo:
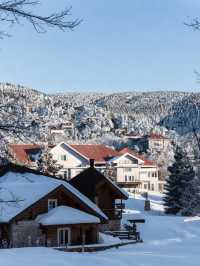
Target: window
[
  {"x": 156, "y": 144},
  {"x": 52, "y": 203},
  {"x": 126, "y": 179},
  {"x": 127, "y": 169},
  {"x": 63, "y": 157},
  {"x": 152, "y": 187},
  {"x": 65, "y": 175}
]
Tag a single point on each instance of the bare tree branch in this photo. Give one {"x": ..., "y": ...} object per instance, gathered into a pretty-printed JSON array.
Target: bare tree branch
[
  {"x": 14, "y": 11},
  {"x": 194, "y": 24}
]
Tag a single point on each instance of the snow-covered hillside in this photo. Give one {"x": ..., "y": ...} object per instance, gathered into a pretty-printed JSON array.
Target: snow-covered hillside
[
  {"x": 168, "y": 241},
  {"x": 100, "y": 116}
]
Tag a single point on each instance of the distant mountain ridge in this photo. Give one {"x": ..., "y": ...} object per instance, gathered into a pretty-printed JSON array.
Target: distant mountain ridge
[{"x": 96, "y": 114}]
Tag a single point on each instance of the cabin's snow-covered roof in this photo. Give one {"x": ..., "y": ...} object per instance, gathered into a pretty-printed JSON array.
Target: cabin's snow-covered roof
[
  {"x": 14, "y": 197},
  {"x": 66, "y": 215},
  {"x": 18, "y": 191}
]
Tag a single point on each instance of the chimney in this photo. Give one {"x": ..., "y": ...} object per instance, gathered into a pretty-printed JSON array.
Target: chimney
[{"x": 91, "y": 162}]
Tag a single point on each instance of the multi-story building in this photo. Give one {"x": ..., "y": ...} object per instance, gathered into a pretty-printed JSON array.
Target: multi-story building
[
  {"x": 136, "y": 173},
  {"x": 125, "y": 167},
  {"x": 75, "y": 158},
  {"x": 157, "y": 142},
  {"x": 152, "y": 142}
]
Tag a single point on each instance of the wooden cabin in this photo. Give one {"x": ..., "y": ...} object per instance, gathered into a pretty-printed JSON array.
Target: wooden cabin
[
  {"x": 103, "y": 192},
  {"x": 38, "y": 210}
]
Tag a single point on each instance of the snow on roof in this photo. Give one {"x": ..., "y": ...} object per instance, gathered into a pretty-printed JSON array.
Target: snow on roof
[
  {"x": 14, "y": 198},
  {"x": 66, "y": 215},
  {"x": 18, "y": 191}
]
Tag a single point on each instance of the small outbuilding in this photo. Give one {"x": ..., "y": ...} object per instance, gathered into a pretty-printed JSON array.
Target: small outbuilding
[{"x": 101, "y": 190}]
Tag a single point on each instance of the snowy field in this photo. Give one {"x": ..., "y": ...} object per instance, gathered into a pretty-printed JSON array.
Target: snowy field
[{"x": 168, "y": 241}]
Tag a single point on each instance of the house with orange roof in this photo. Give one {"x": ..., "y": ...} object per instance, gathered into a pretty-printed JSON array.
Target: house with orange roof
[
  {"x": 126, "y": 167},
  {"x": 152, "y": 142},
  {"x": 74, "y": 158},
  {"x": 157, "y": 142},
  {"x": 136, "y": 173}
]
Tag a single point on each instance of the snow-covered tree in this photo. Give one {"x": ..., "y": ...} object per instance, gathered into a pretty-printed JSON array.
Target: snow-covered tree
[
  {"x": 46, "y": 164},
  {"x": 180, "y": 184}
]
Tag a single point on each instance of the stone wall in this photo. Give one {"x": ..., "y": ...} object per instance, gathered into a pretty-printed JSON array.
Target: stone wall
[{"x": 26, "y": 234}]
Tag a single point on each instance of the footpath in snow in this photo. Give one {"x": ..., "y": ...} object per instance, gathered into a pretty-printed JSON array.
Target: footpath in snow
[{"x": 168, "y": 241}]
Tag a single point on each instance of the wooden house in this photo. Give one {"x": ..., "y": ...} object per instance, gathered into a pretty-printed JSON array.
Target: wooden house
[
  {"x": 41, "y": 210},
  {"x": 103, "y": 192}
]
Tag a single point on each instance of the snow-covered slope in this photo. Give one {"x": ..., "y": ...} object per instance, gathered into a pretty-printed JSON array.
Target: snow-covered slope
[{"x": 168, "y": 241}]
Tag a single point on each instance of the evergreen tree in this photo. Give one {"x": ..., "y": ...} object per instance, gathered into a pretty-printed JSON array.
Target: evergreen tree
[
  {"x": 181, "y": 192},
  {"x": 191, "y": 198},
  {"x": 46, "y": 164}
]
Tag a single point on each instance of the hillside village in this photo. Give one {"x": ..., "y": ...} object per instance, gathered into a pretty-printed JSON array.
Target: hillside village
[
  {"x": 147, "y": 130},
  {"x": 76, "y": 162},
  {"x": 99, "y": 133}
]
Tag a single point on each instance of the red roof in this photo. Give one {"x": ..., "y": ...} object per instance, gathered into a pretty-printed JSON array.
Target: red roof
[
  {"x": 146, "y": 161},
  {"x": 21, "y": 151},
  {"x": 157, "y": 136},
  {"x": 97, "y": 152}
]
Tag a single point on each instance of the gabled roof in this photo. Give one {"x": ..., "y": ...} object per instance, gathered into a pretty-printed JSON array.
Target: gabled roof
[
  {"x": 22, "y": 187},
  {"x": 16, "y": 197},
  {"x": 136, "y": 155},
  {"x": 22, "y": 151},
  {"x": 88, "y": 179},
  {"x": 66, "y": 215},
  {"x": 100, "y": 153}
]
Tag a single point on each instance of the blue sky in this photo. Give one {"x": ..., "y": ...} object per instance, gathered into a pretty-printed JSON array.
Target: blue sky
[{"x": 120, "y": 46}]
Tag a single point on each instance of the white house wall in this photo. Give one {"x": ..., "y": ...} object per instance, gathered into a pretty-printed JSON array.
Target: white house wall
[
  {"x": 127, "y": 168},
  {"x": 73, "y": 159}
]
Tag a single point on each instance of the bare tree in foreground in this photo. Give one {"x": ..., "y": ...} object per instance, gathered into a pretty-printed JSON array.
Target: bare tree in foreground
[
  {"x": 16, "y": 11},
  {"x": 194, "y": 23},
  {"x": 12, "y": 123}
]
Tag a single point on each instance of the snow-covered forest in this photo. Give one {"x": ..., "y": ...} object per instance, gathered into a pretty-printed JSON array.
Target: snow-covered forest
[{"x": 100, "y": 117}]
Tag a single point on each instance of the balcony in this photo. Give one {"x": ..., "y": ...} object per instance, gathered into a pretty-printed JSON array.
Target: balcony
[
  {"x": 113, "y": 214},
  {"x": 120, "y": 206},
  {"x": 130, "y": 184}
]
